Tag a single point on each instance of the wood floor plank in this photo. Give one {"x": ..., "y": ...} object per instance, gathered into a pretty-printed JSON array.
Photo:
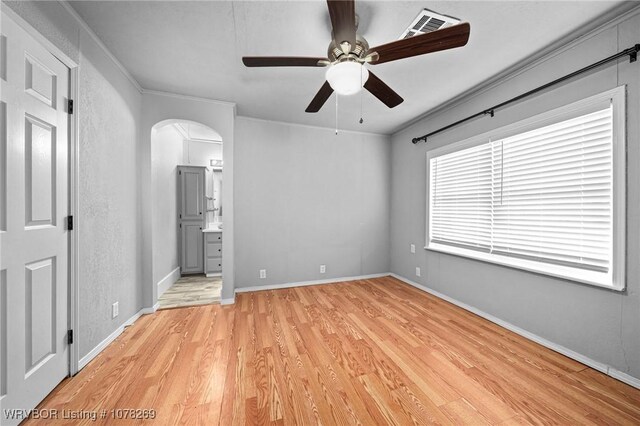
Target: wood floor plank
[
  {"x": 363, "y": 352},
  {"x": 461, "y": 412}
]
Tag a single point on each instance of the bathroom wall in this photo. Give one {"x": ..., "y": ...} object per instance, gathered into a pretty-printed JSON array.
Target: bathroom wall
[
  {"x": 169, "y": 149},
  {"x": 197, "y": 153},
  {"x": 166, "y": 155}
]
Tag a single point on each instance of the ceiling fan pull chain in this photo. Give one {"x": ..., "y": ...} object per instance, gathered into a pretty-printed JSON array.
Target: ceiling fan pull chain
[
  {"x": 361, "y": 84},
  {"x": 336, "y": 114}
]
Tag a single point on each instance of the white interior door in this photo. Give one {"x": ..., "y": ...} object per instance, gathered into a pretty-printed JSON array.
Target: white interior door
[{"x": 33, "y": 208}]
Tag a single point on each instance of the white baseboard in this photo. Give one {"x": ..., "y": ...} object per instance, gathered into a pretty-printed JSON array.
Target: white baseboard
[
  {"x": 624, "y": 377},
  {"x": 596, "y": 365},
  {"x": 306, "y": 283},
  {"x": 151, "y": 310},
  {"x": 110, "y": 338},
  {"x": 604, "y": 368},
  {"x": 166, "y": 283}
]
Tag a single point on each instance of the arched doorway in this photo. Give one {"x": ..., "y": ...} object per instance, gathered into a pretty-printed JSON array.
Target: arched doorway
[
  {"x": 158, "y": 107},
  {"x": 186, "y": 174}
]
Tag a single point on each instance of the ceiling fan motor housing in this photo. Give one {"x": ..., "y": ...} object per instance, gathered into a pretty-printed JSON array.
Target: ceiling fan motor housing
[{"x": 356, "y": 53}]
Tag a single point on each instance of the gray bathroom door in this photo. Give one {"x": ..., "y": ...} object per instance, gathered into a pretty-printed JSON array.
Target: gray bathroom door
[
  {"x": 191, "y": 217},
  {"x": 34, "y": 243}
]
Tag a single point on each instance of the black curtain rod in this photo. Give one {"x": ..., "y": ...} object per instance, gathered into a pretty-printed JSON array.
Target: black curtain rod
[{"x": 632, "y": 52}]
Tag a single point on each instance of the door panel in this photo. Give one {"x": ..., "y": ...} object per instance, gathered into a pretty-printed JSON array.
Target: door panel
[
  {"x": 40, "y": 172},
  {"x": 40, "y": 82},
  {"x": 3, "y": 335},
  {"x": 3, "y": 166},
  {"x": 40, "y": 289},
  {"x": 192, "y": 248},
  {"x": 3, "y": 57},
  {"x": 192, "y": 194},
  {"x": 34, "y": 202}
]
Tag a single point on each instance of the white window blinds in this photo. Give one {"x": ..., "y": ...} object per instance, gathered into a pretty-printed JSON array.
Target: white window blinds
[
  {"x": 552, "y": 198},
  {"x": 462, "y": 198},
  {"x": 543, "y": 195}
]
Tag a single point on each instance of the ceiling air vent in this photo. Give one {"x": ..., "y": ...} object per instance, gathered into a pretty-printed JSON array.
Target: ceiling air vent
[{"x": 428, "y": 21}]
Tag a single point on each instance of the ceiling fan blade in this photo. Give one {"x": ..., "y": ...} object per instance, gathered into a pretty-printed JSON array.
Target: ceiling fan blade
[
  {"x": 381, "y": 91},
  {"x": 443, "y": 39},
  {"x": 283, "y": 61},
  {"x": 343, "y": 20},
  {"x": 320, "y": 98}
]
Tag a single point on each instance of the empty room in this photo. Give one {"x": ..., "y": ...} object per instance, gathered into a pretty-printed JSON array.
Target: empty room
[{"x": 319, "y": 212}]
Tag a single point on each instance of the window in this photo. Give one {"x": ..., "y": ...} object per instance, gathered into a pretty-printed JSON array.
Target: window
[{"x": 545, "y": 195}]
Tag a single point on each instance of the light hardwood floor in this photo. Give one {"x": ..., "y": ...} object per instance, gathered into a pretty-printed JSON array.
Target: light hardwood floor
[
  {"x": 368, "y": 352},
  {"x": 191, "y": 290}
]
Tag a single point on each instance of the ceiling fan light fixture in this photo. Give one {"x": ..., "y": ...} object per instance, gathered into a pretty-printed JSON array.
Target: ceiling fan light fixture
[{"x": 347, "y": 78}]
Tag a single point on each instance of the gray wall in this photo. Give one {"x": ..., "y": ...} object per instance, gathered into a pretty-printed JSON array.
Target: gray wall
[
  {"x": 166, "y": 155},
  {"x": 109, "y": 226},
  {"x": 598, "y": 323},
  {"x": 306, "y": 197}
]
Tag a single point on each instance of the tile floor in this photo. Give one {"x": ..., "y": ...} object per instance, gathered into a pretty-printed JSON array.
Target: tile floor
[{"x": 192, "y": 290}]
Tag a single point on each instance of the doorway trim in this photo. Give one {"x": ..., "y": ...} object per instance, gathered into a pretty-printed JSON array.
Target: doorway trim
[{"x": 73, "y": 210}]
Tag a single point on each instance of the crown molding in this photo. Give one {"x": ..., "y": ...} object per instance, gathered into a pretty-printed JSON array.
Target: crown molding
[
  {"x": 187, "y": 97},
  {"x": 606, "y": 21},
  {"x": 99, "y": 42}
]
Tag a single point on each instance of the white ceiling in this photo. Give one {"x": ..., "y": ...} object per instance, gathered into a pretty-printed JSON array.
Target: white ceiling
[{"x": 195, "y": 48}]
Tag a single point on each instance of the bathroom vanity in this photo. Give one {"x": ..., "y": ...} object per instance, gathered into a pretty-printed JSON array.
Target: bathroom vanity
[{"x": 212, "y": 252}]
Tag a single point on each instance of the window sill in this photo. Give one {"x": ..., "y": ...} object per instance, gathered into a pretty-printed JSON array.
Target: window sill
[{"x": 598, "y": 279}]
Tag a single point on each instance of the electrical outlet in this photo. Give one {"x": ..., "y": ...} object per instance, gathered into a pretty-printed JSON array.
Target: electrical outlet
[
  {"x": 114, "y": 310},
  {"x": 263, "y": 273},
  {"x": 413, "y": 248},
  {"x": 323, "y": 269},
  {"x": 417, "y": 272}
]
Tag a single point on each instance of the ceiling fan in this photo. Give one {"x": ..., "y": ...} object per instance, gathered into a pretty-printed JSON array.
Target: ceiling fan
[{"x": 349, "y": 51}]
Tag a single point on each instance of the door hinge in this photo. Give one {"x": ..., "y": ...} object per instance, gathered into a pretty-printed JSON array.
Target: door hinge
[
  {"x": 69, "y": 223},
  {"x": 69, "y": 106},
  {"x": 70, "y": 337}
]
